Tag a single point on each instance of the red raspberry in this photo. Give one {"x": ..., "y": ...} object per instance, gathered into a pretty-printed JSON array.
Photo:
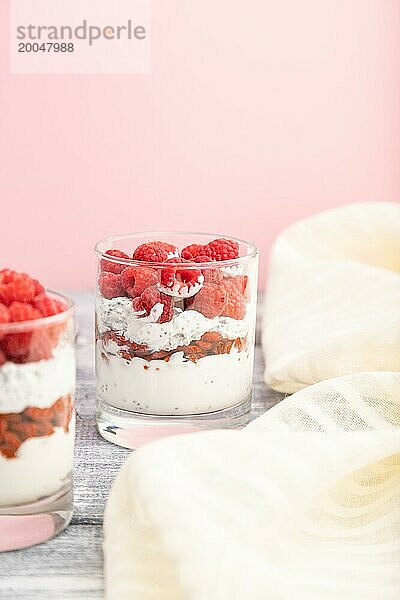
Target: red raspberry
[
  {"x": 194, "y": 250},
  {"x": 235, "y": 306},
  {"x": 242, "y": 284},
  {"x": 177, "y": 278},
  {"x": 222, "y": 249},
  {"x": 21, "y": 289},
  {"x": 28, "y": 346},
  {"x": 202, "y": 258},
  {"x": 4, "y": 314},
  {"x": 41, "y": 346},
  {"x": 169, "y": 248},
  {"x": 210, "y": 275},
  {"x": 152, "y": 296},
  {"x": 113, "y": 267},
  {"x": 48, "y": 306},
  {"x": 39, "y": 289},
  {"x": 135, "y": 280},
  {"x": 110, "y": 285},
  {"x": 152, "y": 252},
  {"x": 7, "y": 275},
  {"x": 168, "y": 310},
  {"x": 213, "y": 276},
  {"x": 21, "y": 311},
  {"x": 210, "y": 300},
  {"x": 3, "y": 359},
  {"x": 137, "y": 304},
  {"x": 149, "y": 298},
  {"x": 16, "y": 346}
]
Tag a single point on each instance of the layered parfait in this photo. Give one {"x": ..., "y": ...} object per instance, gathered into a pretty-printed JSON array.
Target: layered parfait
[
  {"x": 174, "y": 327},
  {"x": 37, "y": 379}
]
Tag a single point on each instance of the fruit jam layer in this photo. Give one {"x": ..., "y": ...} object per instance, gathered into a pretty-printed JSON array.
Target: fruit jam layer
[
  {"x": 16, "y": 428},
  {"x": 209, "y": 344}
]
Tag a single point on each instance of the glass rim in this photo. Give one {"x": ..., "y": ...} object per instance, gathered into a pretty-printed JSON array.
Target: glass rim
[
  {"x": 188, "y": 265},
  {"x": 32, "y": 324}
]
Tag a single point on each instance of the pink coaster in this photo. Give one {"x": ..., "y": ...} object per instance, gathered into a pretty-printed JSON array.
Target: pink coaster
[
  {"x": 136, "y": 437},
  {"x": 25, "y": 530}
]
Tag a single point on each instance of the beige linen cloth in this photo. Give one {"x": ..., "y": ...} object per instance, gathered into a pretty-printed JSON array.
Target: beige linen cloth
[
  {"x": 304, "y": 503},
  {"x": 333, "y": 301}
]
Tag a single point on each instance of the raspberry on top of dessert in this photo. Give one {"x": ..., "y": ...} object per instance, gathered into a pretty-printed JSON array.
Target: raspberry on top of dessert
[
  {"x": 209, "y": 290},
  {"x": 23, "y": 299}
]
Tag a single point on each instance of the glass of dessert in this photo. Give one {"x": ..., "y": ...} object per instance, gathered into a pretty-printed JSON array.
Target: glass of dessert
[
  {"x": 175, "y": 322},
  {"x": 37, "y": 380}
]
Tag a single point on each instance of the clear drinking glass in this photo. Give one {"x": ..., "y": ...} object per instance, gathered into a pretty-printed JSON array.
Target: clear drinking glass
[
  {"x": 37, "y": 427},
  {"x": 174, "y": 339}
]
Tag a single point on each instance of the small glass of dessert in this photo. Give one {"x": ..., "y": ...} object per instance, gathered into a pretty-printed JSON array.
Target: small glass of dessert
[
  {"x": 175, "y": 323},
  {"x": 37, "y": 381}
]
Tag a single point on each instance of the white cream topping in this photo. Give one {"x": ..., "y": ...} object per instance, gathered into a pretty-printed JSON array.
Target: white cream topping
[
  {"x": 38, "y": 383},
  {"x": 181, "y": 290},
  {"x": 232, "y": 271},
  {"x": 118, "y": 315}
]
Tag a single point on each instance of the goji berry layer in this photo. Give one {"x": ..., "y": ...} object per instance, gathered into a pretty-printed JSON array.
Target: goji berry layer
[
  {"x": 16, "y": 428},
  {"x": 209, "y": 344}
]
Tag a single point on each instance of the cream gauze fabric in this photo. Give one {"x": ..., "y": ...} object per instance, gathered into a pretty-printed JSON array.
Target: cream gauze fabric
[
  {"x": 302, "y": 504},
  {"x": 333, "y": 297}
]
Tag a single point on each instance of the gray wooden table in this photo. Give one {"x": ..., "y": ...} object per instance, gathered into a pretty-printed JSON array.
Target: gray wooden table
[{"x": 70, "y": 565}]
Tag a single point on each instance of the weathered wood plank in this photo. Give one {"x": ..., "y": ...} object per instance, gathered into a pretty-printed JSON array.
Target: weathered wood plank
[{"x": 70, "y": 566}]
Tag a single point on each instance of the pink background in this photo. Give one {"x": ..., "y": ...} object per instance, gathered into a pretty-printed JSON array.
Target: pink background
[{"x": 255, "y": 114}]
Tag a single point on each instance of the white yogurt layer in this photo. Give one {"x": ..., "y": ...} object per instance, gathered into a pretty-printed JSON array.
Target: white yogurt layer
[
  {"x": 41, "y": 467},
  {"x": 176, "y": 387},
  {"x": 185, "y": 326},
  {"x": 38, "y": 383}
]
